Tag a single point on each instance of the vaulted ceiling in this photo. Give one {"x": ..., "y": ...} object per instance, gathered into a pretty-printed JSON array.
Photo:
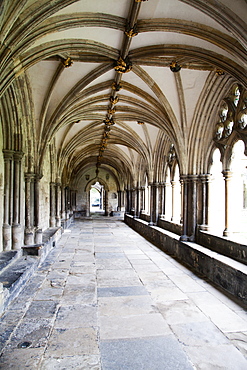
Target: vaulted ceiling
[{"x": 105, "y": 75}]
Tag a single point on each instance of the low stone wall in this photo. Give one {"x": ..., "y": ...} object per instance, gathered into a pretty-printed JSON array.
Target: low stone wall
[
  {"x": 145, "y": 217},
  {"x": 170, "y": 226},
  {"x": 230, "y": 275},
  {"x": 223, "y": 246}
]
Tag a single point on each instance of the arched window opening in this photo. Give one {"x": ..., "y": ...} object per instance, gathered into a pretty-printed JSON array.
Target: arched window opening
[
  {"x": 238, "y": 205},
  {"x": 216, "y": 209},
  {"x": 147, "y": 196},
  {"x": 168, "y": 199},
  {"x": 176, "y": 217},
  {"x": 96, "y": 198}
]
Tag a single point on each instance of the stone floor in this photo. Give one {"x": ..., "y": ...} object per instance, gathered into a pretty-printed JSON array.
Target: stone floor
[{"x": 105, "y": 298}]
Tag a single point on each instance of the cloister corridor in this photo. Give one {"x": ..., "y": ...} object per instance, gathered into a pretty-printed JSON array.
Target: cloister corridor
[{"x": 106, "y": 298}]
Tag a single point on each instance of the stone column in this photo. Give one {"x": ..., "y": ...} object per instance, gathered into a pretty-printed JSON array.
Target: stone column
[
  {"x": 184, "y": 236},
  {"x": 63, "y": 214},
  {"x": 151, "y": 221},
  {"x": 228, "y": 197},
  {"x": 52, "y": 204},
  {"x": 7, "y": 237},
  {"x": 29, "y": 232},
  {"x": 119, "y": 200},
  {"x": 127, "y": 192},
  {"x": 106, "y": 204},
  {"x": 88, "y": 204},
  {"x": 67, "y": 203},
  {"x": 138, "y": 203},
  {"x": 141, "y": 199},
  {"x": 173, "y": 199},
  {"x": 205, "y": 201},
  {"x": 160, "y": 200},
  {"x": 163, "y": 199},
  {"x": 58, "y": 204},
  {"x": 133, "y": 202},
  {"x": 193, "y": 180},
  {"x": 155, "y": 202},
  {"x": 38, "y": 229},
  {"x": 17, "y": 230}
]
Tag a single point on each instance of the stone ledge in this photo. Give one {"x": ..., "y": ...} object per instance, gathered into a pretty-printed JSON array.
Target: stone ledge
[
  {"x": 8, "y": 257},
  {"x": 223, "y": 271},
  {"x": 14, "y": 277},
  {"x": 18, "y": 269}
]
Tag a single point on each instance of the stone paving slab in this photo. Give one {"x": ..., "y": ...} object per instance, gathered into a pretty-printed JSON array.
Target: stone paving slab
[
  {"x": 114, "y": 303},
  {"x": 152, "y": 353},
  {"x": 122, "y": 291}
]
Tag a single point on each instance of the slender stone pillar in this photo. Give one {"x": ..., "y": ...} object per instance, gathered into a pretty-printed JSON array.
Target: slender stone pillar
[
  {"x": 163, "y": 199},
  {"x": 193, "y": 180},
  {"x": 141, "y": 199},
  {"x": 67, "y": 203},
  {"x": 88, "y": 204},
  {"x": 155, "y": 202},
  {"x": 106, "y": 203},
  {"x": 63, "y": 214},
  {"x": 133, "y": 201},
  {"x": 7, "y": 237},
  {"x": 138, "y": 201},
  {"x": 160, "y": 200},
  {"x": 181, "y": 199},
  {"x": 205, "y": 201},
  {"x": 119, "y": 200},
  {"x": 173, "y": 199},
  {"x": 58, "y": 204},
  {"x": 38, "y": 229},
  {"x": 152, "y": 195},
  {"x": 29, "y": 231},
  {"x": 17, "y": 229},
  {"x": 52, "y": 204},
  {"x": 127, "y": 192},
  {"x": 228, "y": 197},
  {"x": 184, "y": 236}
]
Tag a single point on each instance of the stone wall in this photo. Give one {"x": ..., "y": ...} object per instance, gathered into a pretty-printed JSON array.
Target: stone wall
[
  {"x": 228, "y": 274},
  {"x": 223, "y": 246}
]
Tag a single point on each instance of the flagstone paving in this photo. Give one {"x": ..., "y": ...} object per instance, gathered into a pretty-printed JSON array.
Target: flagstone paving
[{"x": 105, "y": 298}]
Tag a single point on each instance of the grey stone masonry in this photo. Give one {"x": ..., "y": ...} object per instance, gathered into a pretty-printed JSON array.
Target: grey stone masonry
[{"x": 106, "y": 298}]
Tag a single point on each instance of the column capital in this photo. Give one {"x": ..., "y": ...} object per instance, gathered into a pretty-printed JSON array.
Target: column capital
[
  {"x": 18, "y": 155},
  {"x": 227, "y": 174},
  {"x": 8, "y": 154},
  {"x": 28, "y": 176},
  {"x": 205, "y": 177},
  {"x": 184, "y": 178},
  {"x": 193, "y": 178}
]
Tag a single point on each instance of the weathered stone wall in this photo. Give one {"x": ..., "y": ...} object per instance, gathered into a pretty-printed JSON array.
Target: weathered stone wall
[
  {"x": 223, "y": 246},
  {"x": 170, "y": 226}
]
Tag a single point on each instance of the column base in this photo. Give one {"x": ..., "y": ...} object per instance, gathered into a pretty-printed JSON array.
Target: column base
[
  {"x": 7, "y": 237},
  {"x": 52, "y": 222},
  {"x": 38, "y": 236},
  {"x": 29, "y": 237},
  {"x": 204, "y": 227},
  {"x": 184, "y": 238},
  {"x": 227, "y": 233},
  {"x": 58, "y": 222},
  {"x": 17, "y": 237}
]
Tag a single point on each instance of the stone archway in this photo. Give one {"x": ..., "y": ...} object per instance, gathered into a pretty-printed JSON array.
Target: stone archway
[{"x": 101, "y": 186}]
